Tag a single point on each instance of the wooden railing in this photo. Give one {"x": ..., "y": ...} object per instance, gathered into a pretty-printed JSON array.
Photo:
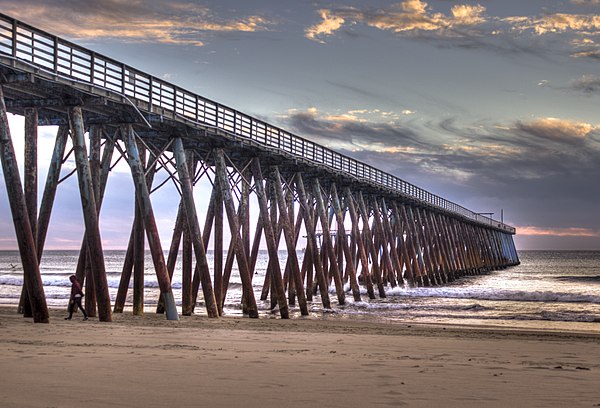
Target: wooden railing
[{"x": 28, "y": 44}]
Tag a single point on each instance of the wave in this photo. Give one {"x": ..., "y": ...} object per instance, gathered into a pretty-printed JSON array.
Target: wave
[
  {"x": 499, "y": 295},
  {"x": 579, "y": 279}
]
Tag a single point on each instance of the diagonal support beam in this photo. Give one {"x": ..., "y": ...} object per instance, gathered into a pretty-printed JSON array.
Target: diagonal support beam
[
  {"x": 143, "y": 200},
  {"x": 194, "y": 228},
  {"x": 25, "y": 239},
  {"x": 310, "y": 225},
  {"x": 270, "y": 238},
  {"x": 234, "y": 226},
  {"x": 90, "y": 215},
  {"x": 290, "y": 240}
]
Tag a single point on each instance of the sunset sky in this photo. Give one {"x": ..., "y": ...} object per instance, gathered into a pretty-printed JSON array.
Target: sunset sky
[{"x": 492, "y": 104}]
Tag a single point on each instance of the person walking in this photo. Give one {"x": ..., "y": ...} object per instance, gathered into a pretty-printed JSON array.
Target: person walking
[{"x": 75, "y": 299}]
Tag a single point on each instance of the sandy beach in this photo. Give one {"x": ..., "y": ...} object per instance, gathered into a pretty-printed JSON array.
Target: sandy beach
[{"x": 238, "y": 362}]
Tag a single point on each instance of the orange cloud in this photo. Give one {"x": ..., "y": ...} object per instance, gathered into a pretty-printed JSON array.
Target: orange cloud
[
  {"x": 407, "y": 16},
  {"x": 329, "y": 25},
  {"x": 174, "y": 22},
  {"x": 557, "y": 23},
  {"x": 558, "y": 232},
  {"x": 558, "y": 129}
]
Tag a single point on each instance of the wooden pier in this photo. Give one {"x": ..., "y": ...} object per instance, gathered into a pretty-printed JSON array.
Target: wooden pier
[{"x": 363, "y": 227}]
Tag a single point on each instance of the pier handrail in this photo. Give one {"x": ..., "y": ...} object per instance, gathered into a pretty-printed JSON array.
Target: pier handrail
[{"x": 63, "y": 58}]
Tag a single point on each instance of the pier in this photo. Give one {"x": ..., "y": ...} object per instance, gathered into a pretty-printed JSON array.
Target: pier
[{"x": 362, "y": 226}]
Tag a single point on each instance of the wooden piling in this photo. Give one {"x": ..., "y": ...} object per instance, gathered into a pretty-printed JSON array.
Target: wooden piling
[
  {"x": 143, "y": 200},
  {"x": 90, "y": 215},
  {"x": 341, "y": 234},
  {"x": 139, "y": 250},
  {"x": 310, "y": 224},
  {"x": 234, "y": 226},
  {"x": 362, "y": 251},
  {"x": 30, "y": 185},
  {"x": 194, "y": 231},
  {"x": 327, "y": 243},
  {"x": 290, "y": 240},
  {"x": 265, "y": 217},
  {"x": 370, "y": 246},
  {"x": 23, "y": 231}
]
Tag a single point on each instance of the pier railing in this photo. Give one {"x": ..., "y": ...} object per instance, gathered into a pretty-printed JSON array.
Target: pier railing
[{"x": 22, "y": 42}]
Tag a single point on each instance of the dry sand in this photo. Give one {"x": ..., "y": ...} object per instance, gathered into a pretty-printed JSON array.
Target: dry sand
[{"x": 234, "y": 362}]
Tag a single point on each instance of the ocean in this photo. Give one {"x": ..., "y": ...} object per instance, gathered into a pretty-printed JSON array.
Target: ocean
[{"x": 555, "y": 290}]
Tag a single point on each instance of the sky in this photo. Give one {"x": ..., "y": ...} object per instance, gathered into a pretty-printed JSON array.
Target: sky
[{"x": 491, "y": 104}]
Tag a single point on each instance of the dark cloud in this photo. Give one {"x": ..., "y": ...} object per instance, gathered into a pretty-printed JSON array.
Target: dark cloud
[
  {"x": 588, "y": 84},
  {"x": 328, "y": 132},
  {"x": 539, "y": 172}
]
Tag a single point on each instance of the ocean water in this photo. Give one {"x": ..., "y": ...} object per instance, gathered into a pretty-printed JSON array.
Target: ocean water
[{"x": 548, "y": 290}]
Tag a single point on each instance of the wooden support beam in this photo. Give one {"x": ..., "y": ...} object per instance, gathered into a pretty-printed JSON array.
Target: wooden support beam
[
  {"x": 25, "y": 239},
  {"x": 46, "y": 206},
  {"x": 290, "y": 240},
  {"x": 270, "y": 284},
  {"x": 194, "y": 231},
  {"x": 425, "y": 245},
  {"x": 396, "y": 262},
  {"x": 383, "y": 242},
  {"x": 413, "y": 247},
  {"x": 143, "y": 200},
  {"x": 234, "y": 226},
  {"x": 30, "y": 178},
  {"x": 370, "y": 244},
  {"x": 30, "y": 184},
  {"x": 139, "y": 244},
  {"x": 442, "y": 238},
  {"x": 187, "y": 306},
  {"x": 407, "y": 257},
  {"x": 218, "y": 249},
  {"x": 429, "y": 244},
  {"x": 341, "y": 234},
  {"x": 362, "y": 251},
  {"x": 440, "y": 257},
  {"x": 327, "y": 244},
  {"x": 90, "y": 215},
  {"x": 309, "y": 225},
  {"x": 276, "y": 278}
]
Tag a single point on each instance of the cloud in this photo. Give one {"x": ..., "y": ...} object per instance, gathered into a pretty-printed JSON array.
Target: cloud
[
  {"x": 560, "y": 130},
  {"x": 354, "y": 130},
  {"x": 588, "y": 84},
  {"x": 175, "y": 22},
  {"x": 586, "y": 2},
  {"x": 469, "y": 26},
  {"x": 329, "y": 25},
  {"x": 557, "y": 23},
  {"x": 558, "y": 232},
  {"x": 538, "y": 171},
  {"x": 408, "y": 16},
  {"x": 593, "y": 54}
]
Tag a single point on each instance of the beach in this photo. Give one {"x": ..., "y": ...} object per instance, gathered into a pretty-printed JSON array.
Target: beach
[{"x": 148, "y": 361}]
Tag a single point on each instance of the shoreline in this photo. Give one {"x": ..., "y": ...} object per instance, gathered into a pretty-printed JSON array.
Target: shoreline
[
  {"x": 149, "y": 361},
  {"x": 335, "y": 323}
]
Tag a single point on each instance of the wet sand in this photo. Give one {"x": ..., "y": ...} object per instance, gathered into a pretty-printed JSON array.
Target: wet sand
[{"x": 238, "y": 362}]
